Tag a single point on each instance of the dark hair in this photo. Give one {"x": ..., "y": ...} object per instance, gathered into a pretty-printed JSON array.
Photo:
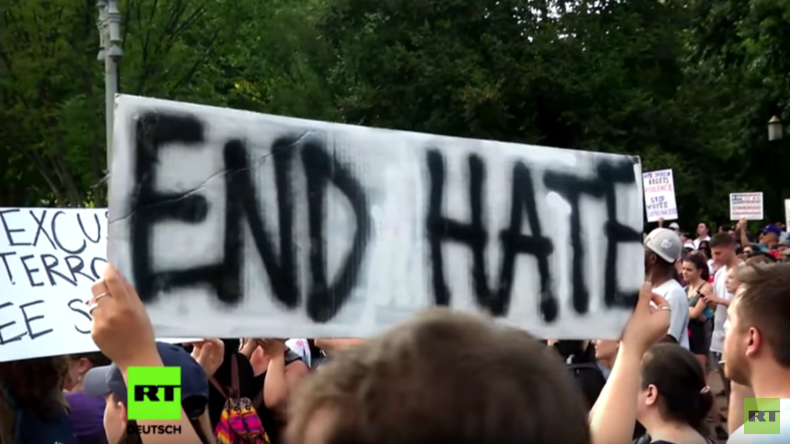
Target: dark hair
[
  {"x": 35, "y": 385},
  {"x": 668, "y": 339},
  {"x": 764, "y": 303},
  {"x": 700, "y": 263},
  {"x": 722, "y": 240},
  {"x": 760, "y": 258},
  {"x": 96, "y": 359},
  {"x": 683, "y": 393},
  {"x": 578, "y": 351},
  {"x": 704, "y": 248}
]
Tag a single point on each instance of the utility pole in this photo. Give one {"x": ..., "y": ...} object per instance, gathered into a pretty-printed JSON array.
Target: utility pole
[{"x": 110, "y": 54}]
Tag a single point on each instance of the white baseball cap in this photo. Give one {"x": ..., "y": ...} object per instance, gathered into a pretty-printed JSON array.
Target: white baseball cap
[
  {"x": 674, "y": 226},
  {"x": 665, "y": 243}
]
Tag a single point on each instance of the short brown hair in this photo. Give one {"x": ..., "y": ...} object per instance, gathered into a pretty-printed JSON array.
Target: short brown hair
[
  {"x": 445, "y": 377},
  {"x": 764, "y": 302},
  {"x": 721, "y": 240},
  {"x": 760, "y": 259}
]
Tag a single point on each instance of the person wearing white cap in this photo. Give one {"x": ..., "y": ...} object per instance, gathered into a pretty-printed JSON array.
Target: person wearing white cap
[
  {"x": 674, "y": 227},
  {"x": 662, "y": 250}
]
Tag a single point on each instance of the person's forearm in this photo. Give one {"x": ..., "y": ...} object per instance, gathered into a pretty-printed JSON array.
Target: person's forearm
[
  {"x": 744, "y": 238},
  {"x": 188, "y": 435},
  {"x": 698, "y": 309},
  {"x": 275, "y": 387},
  {"x": 738, "y": 393},
  {"x": 613, "y": 417}
]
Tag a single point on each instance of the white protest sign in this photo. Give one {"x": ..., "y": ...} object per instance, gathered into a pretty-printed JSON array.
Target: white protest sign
[
  {"x": 747, "y": 206},
  {"x": 659, "y": 188},
  {"x": 787, "y": 214},
  {"x": 49, "y": 259},
  {"x": 236, "y": 224}
]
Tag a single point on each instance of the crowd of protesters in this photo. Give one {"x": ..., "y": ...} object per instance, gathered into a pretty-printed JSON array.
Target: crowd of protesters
[{"x": 712, "y": 306}]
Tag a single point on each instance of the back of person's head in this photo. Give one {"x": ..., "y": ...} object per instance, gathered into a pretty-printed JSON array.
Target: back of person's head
[
  {"x": 759, "y": 327},
  {"x": 80, "y": 364},
  {"x": 760, "y": 258},
  {"x": 441, "y": 377},
  {"x": 673, "y": 382}
]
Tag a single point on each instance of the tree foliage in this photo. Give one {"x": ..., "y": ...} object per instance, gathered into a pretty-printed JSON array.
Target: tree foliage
[{"x": 685, "y": 85}]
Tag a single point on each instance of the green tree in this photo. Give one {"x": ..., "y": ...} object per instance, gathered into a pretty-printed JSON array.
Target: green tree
[
  {"x": 588, "y": 74},
  {"x": 217, "y": 52},
  {"x": 741, "y": 48}
]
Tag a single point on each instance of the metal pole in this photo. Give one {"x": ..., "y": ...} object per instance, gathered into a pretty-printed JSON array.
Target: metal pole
[{"x": 111, "y": 53}]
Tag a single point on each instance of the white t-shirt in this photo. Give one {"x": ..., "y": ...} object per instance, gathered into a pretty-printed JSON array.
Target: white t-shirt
[
  {"x": 738, "y": 437},
  {"x": 679, "y": 320},
  {"x": 720, "y": 315},
  {"x": 301, "y": 347}
]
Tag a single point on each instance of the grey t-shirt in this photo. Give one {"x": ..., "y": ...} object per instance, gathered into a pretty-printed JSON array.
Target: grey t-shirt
[{"x": 679, "y": 320}]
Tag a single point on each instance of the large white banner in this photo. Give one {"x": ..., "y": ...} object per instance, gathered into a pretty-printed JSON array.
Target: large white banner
[
  {"x": 660, "y": 203},
  {"x": 49, "y": 259},
  {"x": 235, "y": 224}
]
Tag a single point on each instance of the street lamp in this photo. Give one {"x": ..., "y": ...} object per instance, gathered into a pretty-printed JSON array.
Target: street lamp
[
  {"x": 775, "y": 129},
  {"x": 110, "y": 54}
]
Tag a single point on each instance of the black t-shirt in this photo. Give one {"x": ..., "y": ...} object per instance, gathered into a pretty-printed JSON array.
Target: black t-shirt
[
  {"x": 271, "y": 423},
  {"x": 216, "y": 401},
  {"x": 250, "y": 386}
]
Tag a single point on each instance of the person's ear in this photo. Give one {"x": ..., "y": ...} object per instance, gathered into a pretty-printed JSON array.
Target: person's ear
[
  {"x": 122, "y": 412},
  {"x": 83, "y": 365},
  {"x": 651, "y": 397},
  {"x": 651, "y": 259},
  {"x": 754, "y": 341}
]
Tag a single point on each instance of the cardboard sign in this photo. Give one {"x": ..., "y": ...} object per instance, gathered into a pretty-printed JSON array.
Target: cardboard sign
[
  {"x": 747, "y": 206},
  {"x": 235, "y": 224},
  {"x": 49, "y": 259},
  {"x": 659, "y": 187}
]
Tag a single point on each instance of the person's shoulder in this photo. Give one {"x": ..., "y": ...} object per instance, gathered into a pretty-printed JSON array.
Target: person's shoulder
[
  {"x": 674, "y": 289},
  {"x": 666, "y": 287},
  {"x": 739, "y": 437},
  {"x": 78, "y": 401}
]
